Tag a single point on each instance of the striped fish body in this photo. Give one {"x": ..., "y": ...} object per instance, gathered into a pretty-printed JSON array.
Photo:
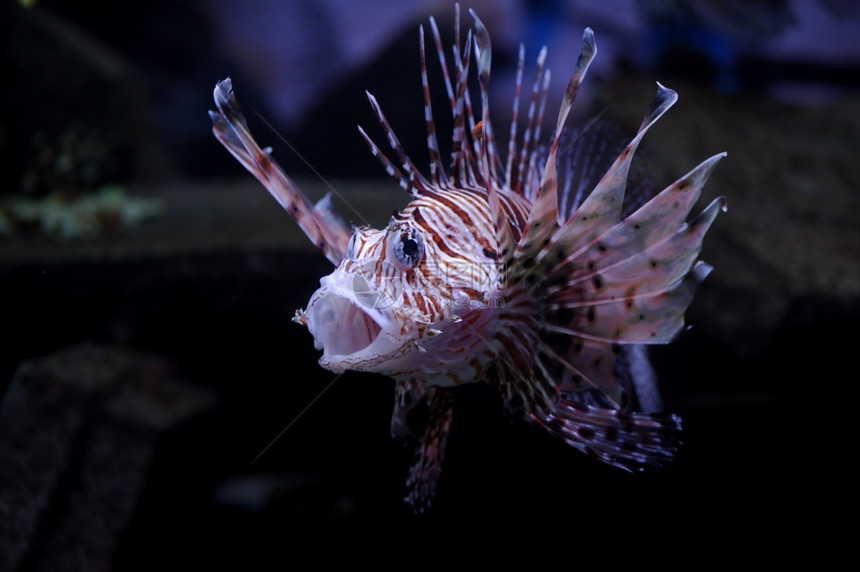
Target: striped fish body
[
  {"x": 432, "y": 317},
  {"x": 483, "y": 277}
]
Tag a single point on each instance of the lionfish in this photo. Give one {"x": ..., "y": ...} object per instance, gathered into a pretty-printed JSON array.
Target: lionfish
[{"x": 498, "y": 270}]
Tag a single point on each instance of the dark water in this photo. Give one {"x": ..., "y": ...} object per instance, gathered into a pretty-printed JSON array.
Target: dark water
[{"x": 766, "y": 424}]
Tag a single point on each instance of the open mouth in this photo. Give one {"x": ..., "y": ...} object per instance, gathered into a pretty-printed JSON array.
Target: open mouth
[
  {"x": 340, "y": 327},
  {"x": 346, "y": 317}
]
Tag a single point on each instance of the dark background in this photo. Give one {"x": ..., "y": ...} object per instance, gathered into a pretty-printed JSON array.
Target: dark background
[{"x": 762, "y": 380}]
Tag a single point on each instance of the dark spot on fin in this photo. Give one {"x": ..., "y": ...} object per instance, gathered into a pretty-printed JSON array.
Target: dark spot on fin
[{"x": 564, "y": 315}]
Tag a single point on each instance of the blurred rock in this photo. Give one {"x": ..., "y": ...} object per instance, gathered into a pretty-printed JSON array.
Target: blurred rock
[{"x": 79, "y": 429}]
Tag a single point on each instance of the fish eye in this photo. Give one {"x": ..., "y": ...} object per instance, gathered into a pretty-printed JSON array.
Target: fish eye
[{"x": 408, "y": 247}]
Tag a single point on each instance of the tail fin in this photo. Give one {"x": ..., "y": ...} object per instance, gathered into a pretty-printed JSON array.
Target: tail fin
[{"x": 627, "y": 440}]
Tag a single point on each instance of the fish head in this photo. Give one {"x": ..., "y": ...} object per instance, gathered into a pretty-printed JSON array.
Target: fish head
[
  {"x": 368, "y": 312},
  {"x": 395, "y": 291}
]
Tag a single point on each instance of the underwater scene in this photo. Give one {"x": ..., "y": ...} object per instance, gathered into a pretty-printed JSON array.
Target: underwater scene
[{"x": 486, "y": 316}]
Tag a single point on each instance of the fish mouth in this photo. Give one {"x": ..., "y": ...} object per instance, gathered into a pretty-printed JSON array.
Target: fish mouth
[
  {"x": 348, "y": 321},
  {"x": 340, "y": 327}
]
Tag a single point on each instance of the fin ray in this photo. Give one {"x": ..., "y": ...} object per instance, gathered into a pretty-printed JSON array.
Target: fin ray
[
  {"x": 327, "y": 232},
  {"x": 602, "y": 208},
  {"x": 423, "y": 478},
  {"x": 629, "y": 441}
]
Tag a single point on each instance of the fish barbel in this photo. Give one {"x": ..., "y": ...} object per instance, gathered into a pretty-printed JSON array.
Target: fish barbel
[{"x": 485, "y": 277}]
